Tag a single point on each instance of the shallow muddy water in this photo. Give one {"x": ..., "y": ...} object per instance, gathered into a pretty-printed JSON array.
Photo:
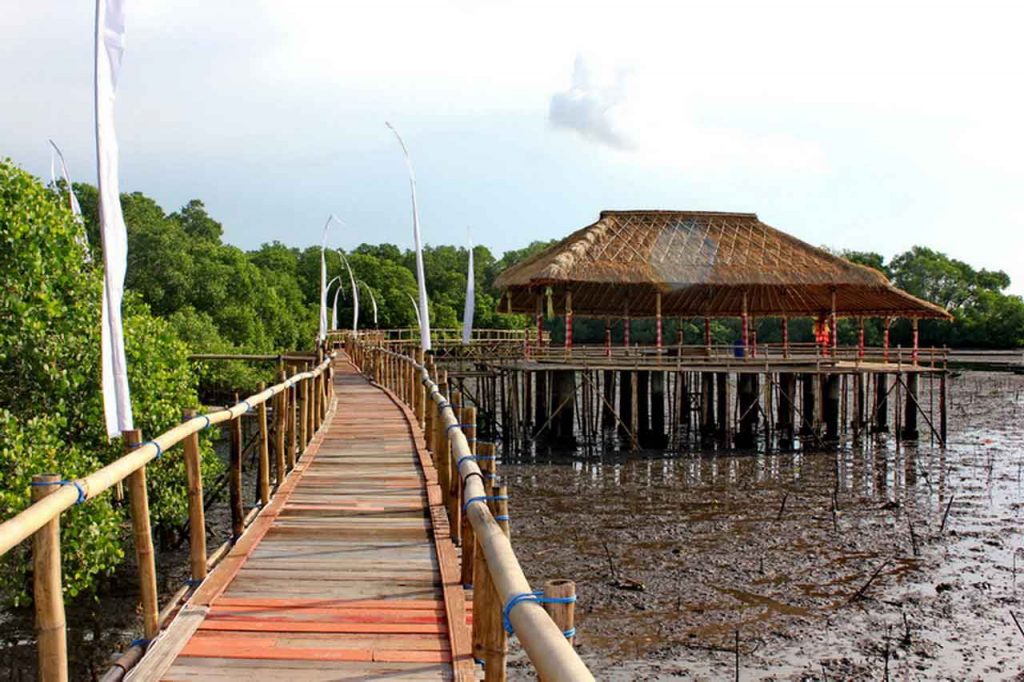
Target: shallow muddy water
[{"x": 822, "y": 565}]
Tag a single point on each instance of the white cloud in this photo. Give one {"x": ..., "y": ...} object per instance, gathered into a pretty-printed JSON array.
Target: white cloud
[{"x": 648, "y": 116}]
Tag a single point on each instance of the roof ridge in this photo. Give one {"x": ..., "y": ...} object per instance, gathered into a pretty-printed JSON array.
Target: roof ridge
[{"x": 657, "y": 211}]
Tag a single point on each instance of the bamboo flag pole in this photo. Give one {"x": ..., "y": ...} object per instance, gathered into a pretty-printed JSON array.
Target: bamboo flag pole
[
  {"x": 423, "y": 308},
  {"x": 355, "y": 293}
]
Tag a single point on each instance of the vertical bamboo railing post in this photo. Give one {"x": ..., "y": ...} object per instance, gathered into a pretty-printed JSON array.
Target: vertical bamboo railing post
[
  {"x": 486, "y": 609},
  {"x": 308, "y": 391},
  {"x": 429, "y": 413},
  {"x": 264, "y": 472},
  {"x": 139, "y": 507},
  {"x": 441, "y": 447},
  {"x": 454, "y": 479},
  {"x": 235, "y": 478},
  {"x": 196, "y": 513},
  {"x": 564, "y": 614},
  {"x": 303, "y": 417},
  {"x": 280, "y": 428},
  {"x": 468, "y": 540},
  {"x": 419, "y": 390},
  {"x": 495, "y": 639},
  {"x": 293, "y": 420},
  {"x": 48, "y": 591}
]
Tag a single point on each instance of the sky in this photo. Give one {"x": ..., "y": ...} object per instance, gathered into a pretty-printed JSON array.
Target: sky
[{"x": 853, "y": 125}]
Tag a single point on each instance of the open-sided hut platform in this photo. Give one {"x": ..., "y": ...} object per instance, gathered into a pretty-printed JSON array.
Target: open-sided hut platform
[{"x": 706, "y": 266}]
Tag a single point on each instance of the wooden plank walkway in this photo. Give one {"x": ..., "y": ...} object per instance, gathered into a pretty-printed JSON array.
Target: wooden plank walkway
[{"x": 349, "y": 573}]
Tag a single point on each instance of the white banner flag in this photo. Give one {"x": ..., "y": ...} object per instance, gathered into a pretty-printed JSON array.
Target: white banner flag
[
  {"x": 467, "y": 312},
  {"x": 110, "y": 33},
  {"x": 323, "y": 281},
  {"x": 424, "y": 310},
  {"x": 373, "y": 300},
  {"x": 415, "y": 309}
]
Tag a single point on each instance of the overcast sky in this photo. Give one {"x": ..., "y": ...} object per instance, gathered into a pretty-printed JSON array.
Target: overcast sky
[{"x": 864, "y": 125}]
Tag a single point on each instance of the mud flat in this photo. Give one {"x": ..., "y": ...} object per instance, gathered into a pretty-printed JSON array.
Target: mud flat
[{"x": 823, "y": 565}]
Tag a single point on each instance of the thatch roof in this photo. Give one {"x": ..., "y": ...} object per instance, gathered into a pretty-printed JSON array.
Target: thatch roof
[{"x": 702, "y": 263}]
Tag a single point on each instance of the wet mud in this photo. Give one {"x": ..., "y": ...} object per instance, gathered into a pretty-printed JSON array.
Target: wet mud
[{"x": 867, "y": 563}]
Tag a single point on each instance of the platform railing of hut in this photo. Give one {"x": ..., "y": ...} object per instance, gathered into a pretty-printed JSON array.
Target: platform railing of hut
[
  {"x": 503, "y": 600},
  {"x": 300, "y": 407}
]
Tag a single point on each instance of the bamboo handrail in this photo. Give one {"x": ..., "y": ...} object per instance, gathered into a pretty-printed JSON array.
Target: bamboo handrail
[
  {"x": 22, "y": 526},
  {"x": 544, "y": 642}
]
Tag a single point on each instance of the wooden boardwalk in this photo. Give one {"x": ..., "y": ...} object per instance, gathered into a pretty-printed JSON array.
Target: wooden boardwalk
[{"x": 349, "y": 573}]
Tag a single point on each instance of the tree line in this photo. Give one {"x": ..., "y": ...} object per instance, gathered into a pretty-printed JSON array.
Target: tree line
[{"x": 189, "y": 292}]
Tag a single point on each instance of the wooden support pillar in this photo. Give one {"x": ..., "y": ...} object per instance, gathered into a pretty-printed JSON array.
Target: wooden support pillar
[
  {"x": 625, "y": 403},
  {"x": 881, "y": 410},
  {"x": 707, "y": 404},
  {"x": 942, "y": 407},
  {"x": 143, "y": 535},
  {"x": 707, "y": 336},
  {"x": 642, "y": 412},
  {"x": 909, "y": 430},
  {"x": 747, "y": 389},
  {"x": 785, "y": 337},
  {"x": 564, "y": 391},
  {"x": 658, "y": 437},
  {"x": 542, "y": 410},
  {"x": 196, "y": 513},
  {"x": 809, "y": 406},
  {"x": 48, "y": 591},
  {"x": 885, "y": 338},
  {"x": 607, "y": 405},
  {"x": 540, "y": 322},
  {"x": 627, "y": 327},
  {"x": 830, "y": 406},
  {"x": 293, "y": 425},
  {"x": 786, "y": 408},
  {"x": 454, "y": 481},
  {"x": 304, "y": 431},
  {"x": 724, "y": 403},
  {"x": 419, "y": 391},
  {"x": 744, "y": 327},
  {"x": 607, "y": 338},
  {"x": 858, "y": 404},
  {"x": 833, "y": 326},
  {"x": 916, "y": 339},
  {"x": 264, "y": 470},
  {"x": 860, "y": 338}
]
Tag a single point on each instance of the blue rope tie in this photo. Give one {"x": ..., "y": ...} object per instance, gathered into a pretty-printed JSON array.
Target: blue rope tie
[
  {"x": 501, "y": 517},
  {"x": 442, "y": 405},
  {"x": 248, "y": 407},
  {"x": 139, "y": 642},
  {"x": 511, "y": 604},
  {"x": 486, "y": 456},
  {"x": 462, "y": 459},
  {"x": 483, "y": 498},
  {"x": 160, "y": 451},
  {"x": 570, "y": 633},
  {"x": 471, "y": 440},
  {"x": 459, "y": 426},
  {"x": 553, "y": 600},
  {"x": 192, "y": 582},
  {"x": 63, "y": 482}
]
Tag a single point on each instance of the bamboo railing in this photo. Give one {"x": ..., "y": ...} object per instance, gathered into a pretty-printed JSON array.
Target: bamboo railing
[
  {"x": 300, "y": 406},
  {"x": 502, "y": 596}
]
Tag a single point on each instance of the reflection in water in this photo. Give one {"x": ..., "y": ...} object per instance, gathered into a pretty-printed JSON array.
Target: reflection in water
[{"x": 813, "y": 556}]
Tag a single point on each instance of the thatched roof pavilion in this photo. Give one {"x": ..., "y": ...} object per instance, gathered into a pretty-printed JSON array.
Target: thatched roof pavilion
[{"x": 703, "y": 264}]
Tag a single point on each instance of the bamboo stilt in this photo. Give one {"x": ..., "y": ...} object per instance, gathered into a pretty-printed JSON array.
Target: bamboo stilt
[
  {"x": 280, "y": 429},
  {"x": 468, "y": 541},
  {"x": 235, "y": 479},
  {"x": 564, "y": 614}
]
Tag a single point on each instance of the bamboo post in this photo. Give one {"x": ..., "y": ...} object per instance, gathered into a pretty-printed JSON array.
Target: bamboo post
[
  {"x": 468, "y": 541},
  {"x": 280, "y": 421},
  {"x": 304, "y": 417},
  {"x": 441, "y": 447},
  {"x": 47, "y": 589},
  {"x": 264, "y": 472},
  {"x": 454, "y": 479},
  {"x": 235, "y": 479},
  {"x": 139, "y": 507},
  {"x": 494, "y": 638},
  {"x": 429, "y": 413},
  {"x": 293, "y": 433},
  {"x": 196, "y": 513},
  {"x": 419, "y": 391},
  {"x": 562, "y": 612}
]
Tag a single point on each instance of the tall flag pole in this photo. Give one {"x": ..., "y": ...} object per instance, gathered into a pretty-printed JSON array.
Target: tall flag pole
[
  {"x": 424, "y": 310},
  {"x": 334, "y": 308},
  {"x": 373, "y": 300},
  {"x": 76, "y": 210},
  {"x": 323, "y": 281},
  {"x": 110, "y": 40},
  {"x": 416, "y": 309},
  {"x": 467, "y": 312},
  {"x": 355, "y": 294}
]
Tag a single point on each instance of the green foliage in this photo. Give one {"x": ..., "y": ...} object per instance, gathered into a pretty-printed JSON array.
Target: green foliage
[{"x": 51, "y": 412}]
